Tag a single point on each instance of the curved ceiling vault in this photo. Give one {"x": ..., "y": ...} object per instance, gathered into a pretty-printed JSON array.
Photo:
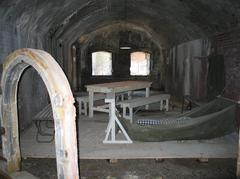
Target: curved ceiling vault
[
  {"x": 116, "y": 26},
  {"x": 59, "y": 23},
  {"x": 172, "y": 22}
]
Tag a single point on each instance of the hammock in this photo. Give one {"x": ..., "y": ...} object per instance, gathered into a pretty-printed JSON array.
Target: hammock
[{"x": 214, "y": 119}]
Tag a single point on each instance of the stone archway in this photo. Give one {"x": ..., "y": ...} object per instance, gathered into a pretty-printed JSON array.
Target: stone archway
[{"x": 62, "y": 106}]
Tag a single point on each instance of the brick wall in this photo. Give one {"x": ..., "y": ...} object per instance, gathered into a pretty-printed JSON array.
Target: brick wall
[{"x": 228, "y": 44}]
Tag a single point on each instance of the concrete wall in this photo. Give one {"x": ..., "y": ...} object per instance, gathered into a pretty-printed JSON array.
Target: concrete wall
[
  {"x": 111, "y": 40},
  {"x": 8, "y": 34},
  {"x": 186, "y": 69},
  {"x": 228, "y": 45},
  {"x": 32, "y": 95},
  {"x": 205, "y": 68}
]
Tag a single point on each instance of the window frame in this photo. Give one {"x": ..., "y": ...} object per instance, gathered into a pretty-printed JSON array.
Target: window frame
[
  {"x": 150, "y": 63},
  {"x": 106, "y": 51}
]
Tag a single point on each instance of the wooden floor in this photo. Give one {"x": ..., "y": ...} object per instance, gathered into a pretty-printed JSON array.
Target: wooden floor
[{"x": 92, "y": 133}]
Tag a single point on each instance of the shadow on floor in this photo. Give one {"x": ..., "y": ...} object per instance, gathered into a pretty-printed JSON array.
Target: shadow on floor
[{"x": 139, "y": 169}]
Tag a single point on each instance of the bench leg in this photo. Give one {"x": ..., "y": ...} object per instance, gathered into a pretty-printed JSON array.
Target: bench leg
[
  {"x": 85, "y": 108},
  {"x": 131, "y": 114},
  {"x": 147, "y": 95},
  {"x": 129, "y": 94},
  {"x": 91, "y": 95},
  {"x": 117, "y": 98},
  {"x": 80, "y": 107},
  {"x": 161, "y": 105},
  {"x": 122, "y": 97},
  {"x": 124, "y": 112},
  {"x": 167, "y": 104}
]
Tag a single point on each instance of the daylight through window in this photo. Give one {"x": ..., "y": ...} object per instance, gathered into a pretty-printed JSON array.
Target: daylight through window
[
  {"x": 101, "y": 63},
  {"x": 140, "y": 63}
]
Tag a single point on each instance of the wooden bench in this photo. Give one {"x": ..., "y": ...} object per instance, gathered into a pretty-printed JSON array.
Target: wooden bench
[
  {"x": 121, "y": 96},
  {"x": 45, "y": 115},
  {"x": 84, "y": 100},
  {"x": 137, "y": 102}
]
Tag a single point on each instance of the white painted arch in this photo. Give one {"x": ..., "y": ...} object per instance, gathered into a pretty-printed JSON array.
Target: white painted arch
[{"x": 62, "y": 106}]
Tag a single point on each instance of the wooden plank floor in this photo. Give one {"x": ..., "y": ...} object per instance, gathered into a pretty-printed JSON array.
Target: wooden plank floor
[{"x": 92, "y": 133}]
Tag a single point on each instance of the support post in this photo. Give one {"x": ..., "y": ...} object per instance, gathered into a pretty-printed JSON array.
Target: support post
[
  {"x": 111, "y": 128},
  {"x": 91, "y": 96}
]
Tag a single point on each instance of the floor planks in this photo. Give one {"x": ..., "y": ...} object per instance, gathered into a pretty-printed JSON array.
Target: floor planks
[{"x": 92, "y": 132}]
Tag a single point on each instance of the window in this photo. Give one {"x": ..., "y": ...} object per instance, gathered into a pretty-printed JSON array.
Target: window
[
  {"x": 101, "y": 63},
  {"x": 140, "y": 63}
]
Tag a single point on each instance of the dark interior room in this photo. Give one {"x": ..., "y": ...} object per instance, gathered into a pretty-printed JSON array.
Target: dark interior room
[{"x": 128, "y": 89}]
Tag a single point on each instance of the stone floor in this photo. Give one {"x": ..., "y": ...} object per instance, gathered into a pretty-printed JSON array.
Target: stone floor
[
  {"x": 22, "y": 175},
  {"x": 91, "y": 134},
  {"x": 130, "y": 168},
  {"x": 139, "y": 169}
]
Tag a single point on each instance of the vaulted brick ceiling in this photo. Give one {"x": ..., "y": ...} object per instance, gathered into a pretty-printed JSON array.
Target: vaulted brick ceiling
[{"x": 170, "y": 21}]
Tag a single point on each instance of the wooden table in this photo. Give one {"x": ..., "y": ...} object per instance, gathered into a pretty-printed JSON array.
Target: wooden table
[{"x": 111, "y": 89}]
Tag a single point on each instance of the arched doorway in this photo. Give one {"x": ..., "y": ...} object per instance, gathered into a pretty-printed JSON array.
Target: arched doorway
[{"x": 62, "y": 106}]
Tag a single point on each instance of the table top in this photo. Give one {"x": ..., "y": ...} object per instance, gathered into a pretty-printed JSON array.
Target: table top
[{"x": 117, "y": 87}]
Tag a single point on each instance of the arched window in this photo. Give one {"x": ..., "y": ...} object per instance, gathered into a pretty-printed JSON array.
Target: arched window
[
  {"x": 140, "y": 64},
  {"x": 101, "y": 63}
]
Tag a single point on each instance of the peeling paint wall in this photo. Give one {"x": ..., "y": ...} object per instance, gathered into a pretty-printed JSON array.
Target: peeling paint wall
[{"x": 186, "y": 69}]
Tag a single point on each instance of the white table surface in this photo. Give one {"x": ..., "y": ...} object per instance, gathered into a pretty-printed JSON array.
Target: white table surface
[
  {"x": 111, "y": 89},
  {"x": 116, "y": 87}
]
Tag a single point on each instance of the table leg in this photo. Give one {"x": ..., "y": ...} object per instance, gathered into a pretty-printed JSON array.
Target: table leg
[
  {"x": 113, "y": 121},
  {"x": 85, "y": 108},
  {"x": 161, "y": 105},
  {"x": 110, "y": 112},
  {"x": 91, "y": 95},
  {"x": 147, "y": 95}
]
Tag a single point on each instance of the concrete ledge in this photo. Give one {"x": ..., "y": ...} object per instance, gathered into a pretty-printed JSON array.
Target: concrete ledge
[{"x": 22, "y": 175}]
